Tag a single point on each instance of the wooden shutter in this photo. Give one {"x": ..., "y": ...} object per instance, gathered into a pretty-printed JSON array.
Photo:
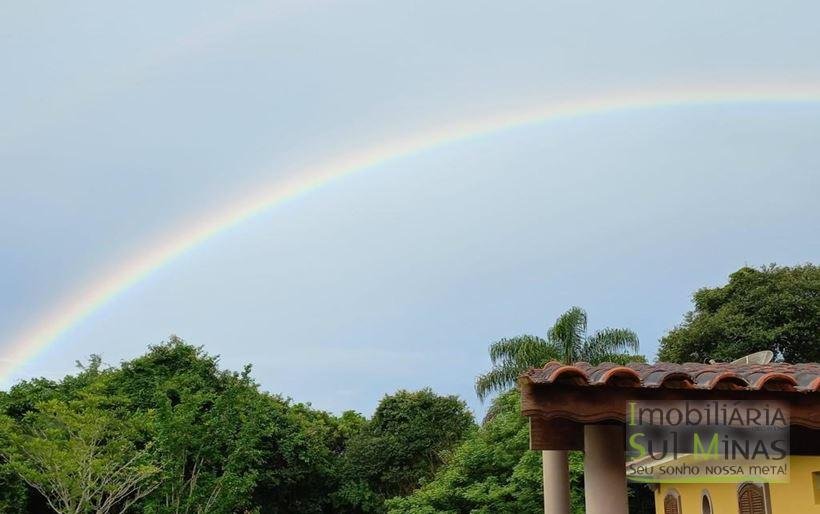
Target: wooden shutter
[
  {"x": 671, "y": 504},
  {"x": 751, "y": 500}
]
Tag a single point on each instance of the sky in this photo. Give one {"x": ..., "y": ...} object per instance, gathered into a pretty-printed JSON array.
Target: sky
[{"x": 122, "y": 122}]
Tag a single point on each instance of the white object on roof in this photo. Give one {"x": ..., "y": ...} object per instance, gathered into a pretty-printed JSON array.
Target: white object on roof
[{"x": 763, "y": 357}]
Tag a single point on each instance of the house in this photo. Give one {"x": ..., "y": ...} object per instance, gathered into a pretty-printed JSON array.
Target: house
[{"x": 584, "y": 407}]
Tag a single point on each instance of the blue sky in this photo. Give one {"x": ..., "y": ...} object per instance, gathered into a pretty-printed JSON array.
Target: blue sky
[{"x": 119, "y": 121}]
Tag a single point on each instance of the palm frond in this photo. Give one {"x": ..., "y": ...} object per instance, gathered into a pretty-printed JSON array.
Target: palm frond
[
  {"x": 621, "y": 358},
  {"x": 510, "y": 358},
  {"x": 566, "y": 342},
  {"x": 497, "y": 380},
  {"x": 606, "y": 342},
  {"x": 526, "y": 349},
  {"x": 569, "y": 333}
]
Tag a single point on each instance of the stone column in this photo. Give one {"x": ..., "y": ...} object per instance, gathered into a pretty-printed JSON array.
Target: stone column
[
  {"x": 556, "y": 481},
  {"x": 605, "y": 470}
]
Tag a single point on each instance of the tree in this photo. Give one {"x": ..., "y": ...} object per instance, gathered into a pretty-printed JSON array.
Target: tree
[
  {"x": 12, "y": 488},
  {"x": 400, "y": 447},
  {"x": 492, "y": 471},
  {"x": 208, "y": 444},
  {"x": 81, "y": 455},
  {"x": 16, "y": 496},
  {"x": 773, "y": 308},
  {"x": 224, "y": 445},
  {"x": 567, "y": 341},
  {"x": 300, "y": 454},
  {"x": 218, "y": 443}
]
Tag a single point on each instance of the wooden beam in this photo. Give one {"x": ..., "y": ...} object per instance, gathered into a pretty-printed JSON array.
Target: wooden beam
[
  {"x": 556, "y": 434},
  {"x": 596, "y": 404}
]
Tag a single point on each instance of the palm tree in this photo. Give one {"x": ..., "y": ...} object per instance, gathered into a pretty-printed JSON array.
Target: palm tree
[{"x": 567, "y": 341}]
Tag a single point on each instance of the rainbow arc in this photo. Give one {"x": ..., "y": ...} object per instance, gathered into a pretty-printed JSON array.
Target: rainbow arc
[{"x": 82, "y": 304}]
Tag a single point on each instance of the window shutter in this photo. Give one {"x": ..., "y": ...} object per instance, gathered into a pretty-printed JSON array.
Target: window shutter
[
  {"x": 750, "y": 499},
  {"x": 671, "y": 505}
]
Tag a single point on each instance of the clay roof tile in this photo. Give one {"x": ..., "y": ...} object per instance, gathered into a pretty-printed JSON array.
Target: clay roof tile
[{"x": 774, "y": 376}]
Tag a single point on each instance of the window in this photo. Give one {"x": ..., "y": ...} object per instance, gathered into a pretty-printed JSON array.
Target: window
[
  {"x": 706, "y": 503},
  {"x": 671, "y": 503},
  {"x": 815, "y": 478},
  {"x": 753, "y": 499}
]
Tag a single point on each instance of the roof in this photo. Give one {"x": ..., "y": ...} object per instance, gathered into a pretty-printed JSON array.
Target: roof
[
  {"x": 691, "y": 375},
  {"x": 560, "y": 399}
]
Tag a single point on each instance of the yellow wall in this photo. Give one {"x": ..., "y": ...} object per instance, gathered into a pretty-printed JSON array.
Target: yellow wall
[{"x": 795, "y": 497}]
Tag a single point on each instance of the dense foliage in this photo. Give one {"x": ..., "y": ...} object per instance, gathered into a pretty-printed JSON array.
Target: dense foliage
[
  {"x": 82, "y": 455},
  {"x": 492, "y": 471},
  {"x": 170, "y": 432},
  {"x": 402, "y": 446},
  {"x": 774, "y": 308}
]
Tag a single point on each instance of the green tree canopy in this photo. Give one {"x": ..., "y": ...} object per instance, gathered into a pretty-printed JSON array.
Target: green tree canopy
[
  {"x": 193, "y": 438},
  {"x": 403, "y": 445},
  {"x": 217, "y": 444},
  {"x": 773, "y": 308},
  {"x": 225, "y": 446},
  {"x": 491, "y": 472},
  {"x": 83, "y": 455}
]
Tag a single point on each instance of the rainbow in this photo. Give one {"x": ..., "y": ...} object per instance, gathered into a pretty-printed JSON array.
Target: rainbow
[{"x": 300, "y": 182}]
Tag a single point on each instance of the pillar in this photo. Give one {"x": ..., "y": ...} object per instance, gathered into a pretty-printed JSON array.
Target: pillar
[
  {"x": 556, "y": 481},
  {"x": 605, "y": 470}
]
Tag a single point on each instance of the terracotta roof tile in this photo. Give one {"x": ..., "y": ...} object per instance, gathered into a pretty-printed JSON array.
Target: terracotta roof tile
[{"x": 773, "y": 376}]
